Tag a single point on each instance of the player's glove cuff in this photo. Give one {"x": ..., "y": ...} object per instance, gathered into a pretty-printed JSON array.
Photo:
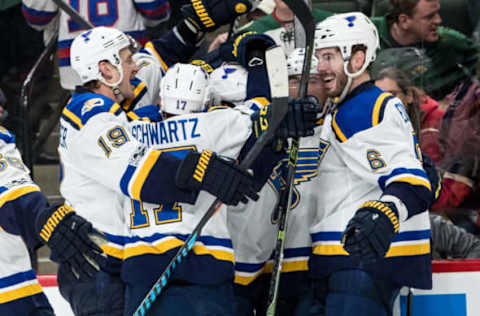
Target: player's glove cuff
[
  {"x": 50, "y": 220},
  {"x": 387, "y": 209},
  {"x": 219, "y": 176}
]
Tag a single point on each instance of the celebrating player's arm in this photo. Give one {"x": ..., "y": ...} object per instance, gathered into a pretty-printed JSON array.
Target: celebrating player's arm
[{"x": 27, "y": 222}]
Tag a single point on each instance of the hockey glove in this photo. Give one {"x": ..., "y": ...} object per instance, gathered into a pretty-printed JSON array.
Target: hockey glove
[
  {"x": 72, "y": 240},
  {"x": 299, "y": 121},
  {"x": 208, "y": 15},
  {"x": 371, "y": 230},
  {"x": 219, "y": 176}
]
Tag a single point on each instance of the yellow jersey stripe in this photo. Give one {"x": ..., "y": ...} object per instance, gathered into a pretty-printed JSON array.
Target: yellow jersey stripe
[
  {"x": 336, "y": 128},
  {"x": 16, "y": 193},
  {"x": 378, "y": 107},
  {"x": 136, "y": 92},
  {"x": 172, "y": 243},
  {"x": 150, "y": 46},
  {"x": 75, "y": 119},
  {"x": 394, "y": 251},
  {"x": 415, "y": 181},
  {"x": 143, "y": 174},
  {"x": 22, "y": 292},
  {"x": 287, "y": 266}
]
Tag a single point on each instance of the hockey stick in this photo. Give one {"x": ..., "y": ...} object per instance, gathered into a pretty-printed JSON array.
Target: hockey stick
[
  {"x": 277, "y": 74},
  {"x": 304, "y": 14},
  {"x": 74, "y": 14}
]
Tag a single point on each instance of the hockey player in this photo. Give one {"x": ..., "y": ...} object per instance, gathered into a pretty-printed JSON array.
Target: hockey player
[
  {"x": 129, "y": 16},
  {"x": 27, "y": 221},
  {"x": 370, "y": 231},
  {"x": 183, "y": 90},
  {"x": 254, "y": 227}
]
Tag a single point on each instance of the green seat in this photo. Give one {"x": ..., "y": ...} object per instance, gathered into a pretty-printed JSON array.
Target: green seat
[
  {"x": 337, "y": 6},
  {"x": 454, "y": 14}
]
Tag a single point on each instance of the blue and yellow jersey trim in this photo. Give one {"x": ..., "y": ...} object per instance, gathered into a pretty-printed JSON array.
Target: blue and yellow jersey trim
[
  {"x": 151, "y": 47},
  {"x": 19, "y": 285},
  {"x": 295, "y": 260},
  {"x": 416, "y": 177},
  {"x": 408, "y": 243},
  {"x": 156, "y": 244},
  {"x": 8, "y": 195},
  {"x": 134, "y": 179},
  {"x": 360, "y": 113},
  {"x": 139, "y": 92},
  {"x": 6, "y": 135},
  {"x": 217, "y": 107},
  {"x": 83, "y": 106}
]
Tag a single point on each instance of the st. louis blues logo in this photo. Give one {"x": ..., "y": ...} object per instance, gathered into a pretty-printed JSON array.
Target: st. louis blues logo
[{"x": 307, "y": 168}]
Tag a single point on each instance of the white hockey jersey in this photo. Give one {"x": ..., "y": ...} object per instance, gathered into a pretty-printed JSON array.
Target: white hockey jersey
[
  {"x": 129, "y": 16},
  {"x": 254, "y": 228},
  {"x": 102, "y": 163},
  {"x": 20, "y": 292},
  {"x": 156, "y": 231},
  {"x": 371, "y": 153}
]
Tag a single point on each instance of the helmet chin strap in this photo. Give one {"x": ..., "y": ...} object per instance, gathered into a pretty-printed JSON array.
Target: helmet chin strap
[
  {"x": 350, "y": 77},
  {"x": 116, "y": 85}
]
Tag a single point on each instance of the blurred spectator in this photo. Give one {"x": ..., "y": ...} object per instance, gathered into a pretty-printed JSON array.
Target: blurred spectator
[
  {"x": 424, "y": 112},
  {"x": 417, "y": 23},
  {"x": 450, "y": 241},
  {"x": 3, "y": 111},
  {"x": 126, "y": 15},
  {"x": 21, "y": 48},
  {"x": 280, "y": 25}
]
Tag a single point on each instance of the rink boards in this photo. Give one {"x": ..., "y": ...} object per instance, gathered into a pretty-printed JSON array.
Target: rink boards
[{"x": 456, "y": 292}]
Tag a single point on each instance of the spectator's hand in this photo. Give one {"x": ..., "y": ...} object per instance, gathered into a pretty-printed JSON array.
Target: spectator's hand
[{"x": 208, "y": 15}]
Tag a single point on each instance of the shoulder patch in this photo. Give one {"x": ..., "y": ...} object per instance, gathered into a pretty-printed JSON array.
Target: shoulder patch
[{"x": 90, "y": 104}]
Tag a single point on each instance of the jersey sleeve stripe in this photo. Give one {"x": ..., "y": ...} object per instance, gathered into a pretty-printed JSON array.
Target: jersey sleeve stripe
[
  {"x": 338, "y": 132},
  {"x": 411, "y": 176},
  {"x": 414, "y": 181},
  {"x": 150, "y": 46},
  {"x": 14, "y": 194},
  {"x": 142, "y": 174},
  {"x": 379, "y": 107}
]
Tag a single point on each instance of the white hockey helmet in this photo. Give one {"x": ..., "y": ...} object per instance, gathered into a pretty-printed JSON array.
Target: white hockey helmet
[
  {"x": 295, "y": 62},
  {"x": 182, "y": 89},
  {"x": 93, "y": 46},
  {"x": 228, "y": 83},
  {"x": 345, "y": 31}
]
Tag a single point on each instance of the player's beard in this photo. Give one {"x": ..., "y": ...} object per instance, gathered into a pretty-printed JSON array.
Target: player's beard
[{"x": 339, "y": 82}]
